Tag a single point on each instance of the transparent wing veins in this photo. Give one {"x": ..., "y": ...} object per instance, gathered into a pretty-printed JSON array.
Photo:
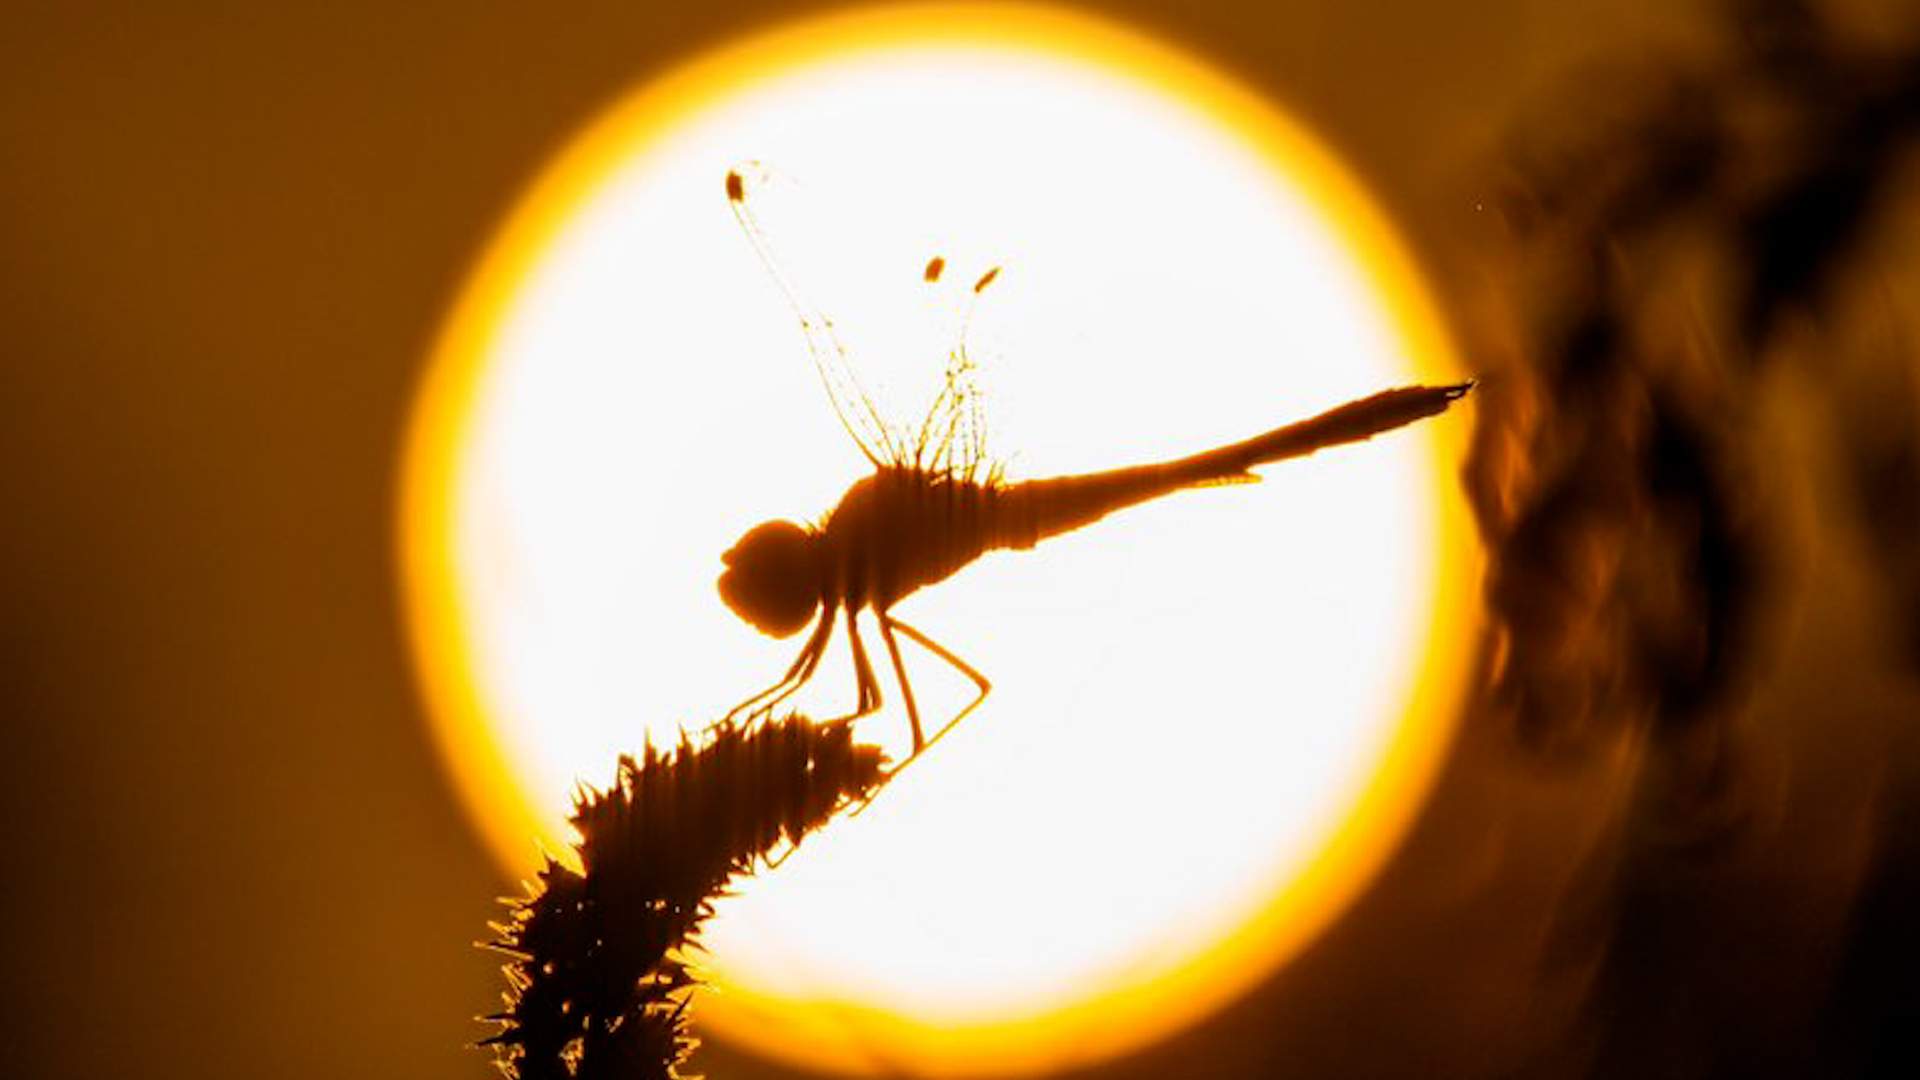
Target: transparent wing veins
[
  {"x": 851, "y": 402},
  {"x": 953, "y": 435}
]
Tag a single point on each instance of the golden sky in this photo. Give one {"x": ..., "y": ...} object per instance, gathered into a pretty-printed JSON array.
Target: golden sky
[{"x": 231, "y": 234}]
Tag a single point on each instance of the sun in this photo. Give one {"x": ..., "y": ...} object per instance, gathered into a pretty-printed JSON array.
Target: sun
[{"x": 1212, "y": 716}]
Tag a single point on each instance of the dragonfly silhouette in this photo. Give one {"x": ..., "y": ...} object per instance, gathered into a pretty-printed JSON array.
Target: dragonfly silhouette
[{"x": 932, "y": 505}]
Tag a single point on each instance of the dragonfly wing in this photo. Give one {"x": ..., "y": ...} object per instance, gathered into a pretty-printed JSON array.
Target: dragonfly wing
[
  {"x": 953, "y": 435},
  {"x": 851, "y": 402}
]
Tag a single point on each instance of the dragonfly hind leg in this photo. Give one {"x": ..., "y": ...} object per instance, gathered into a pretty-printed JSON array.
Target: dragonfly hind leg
[
  {"x": 888, "y": 624},
  {"x": 906, "y": 688}
]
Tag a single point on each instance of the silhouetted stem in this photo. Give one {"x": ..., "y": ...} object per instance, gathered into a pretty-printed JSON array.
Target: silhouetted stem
[{"x": 596, "y": 986}]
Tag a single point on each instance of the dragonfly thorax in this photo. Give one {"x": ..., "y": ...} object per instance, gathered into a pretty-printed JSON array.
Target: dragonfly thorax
[
  {"x": 772, "y": 579},
  {"x": 899, "y": 530}
]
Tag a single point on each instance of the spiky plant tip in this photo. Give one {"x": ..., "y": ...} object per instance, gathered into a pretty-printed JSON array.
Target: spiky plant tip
[{"x": 596, "y": 985}]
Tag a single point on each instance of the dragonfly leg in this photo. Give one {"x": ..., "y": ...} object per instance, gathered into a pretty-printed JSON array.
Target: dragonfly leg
[
  {"x": 798, "y": 673},
  {"x": 869, "y": 691},
  {"x": 906, "y": 688},
  {"x": 889, "y": 624},
  {"x": 774, "y": 864},
  {"x": 867, "y": 686}
]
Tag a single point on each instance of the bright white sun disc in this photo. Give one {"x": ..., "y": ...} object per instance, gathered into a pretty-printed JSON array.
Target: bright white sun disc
[{"x": 1211, "y": 715}]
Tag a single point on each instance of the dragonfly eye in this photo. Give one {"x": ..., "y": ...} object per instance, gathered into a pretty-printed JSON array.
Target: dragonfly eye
[{"x": 770, "y": 579}]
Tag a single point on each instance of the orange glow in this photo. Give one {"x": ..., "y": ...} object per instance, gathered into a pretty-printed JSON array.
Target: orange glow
[{"x": 1213, "y": 716}]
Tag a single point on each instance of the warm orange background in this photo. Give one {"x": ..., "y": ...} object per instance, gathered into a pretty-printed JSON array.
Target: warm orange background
[{"x": 230, "y": 233}]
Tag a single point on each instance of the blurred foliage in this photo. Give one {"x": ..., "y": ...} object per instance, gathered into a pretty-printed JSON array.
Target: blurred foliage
[
  {"x": 1704, "y": 253},
  {"x": 1680, "y": 232}
]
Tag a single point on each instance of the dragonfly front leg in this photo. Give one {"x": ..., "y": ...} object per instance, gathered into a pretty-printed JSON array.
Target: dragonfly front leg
[{"x": 798, "y": 672}]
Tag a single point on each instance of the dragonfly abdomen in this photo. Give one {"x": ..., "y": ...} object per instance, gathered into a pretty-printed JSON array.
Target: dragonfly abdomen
[
  {"x": 1029, "y": 512},
  {"x": 1026, "y": 513}
]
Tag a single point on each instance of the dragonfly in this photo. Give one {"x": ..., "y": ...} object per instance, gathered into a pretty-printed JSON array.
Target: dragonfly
[{"x": 933, "y": 504}]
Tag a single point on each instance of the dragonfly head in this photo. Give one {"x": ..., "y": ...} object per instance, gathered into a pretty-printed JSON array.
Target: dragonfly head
[{"x": 771, "y": 580}]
